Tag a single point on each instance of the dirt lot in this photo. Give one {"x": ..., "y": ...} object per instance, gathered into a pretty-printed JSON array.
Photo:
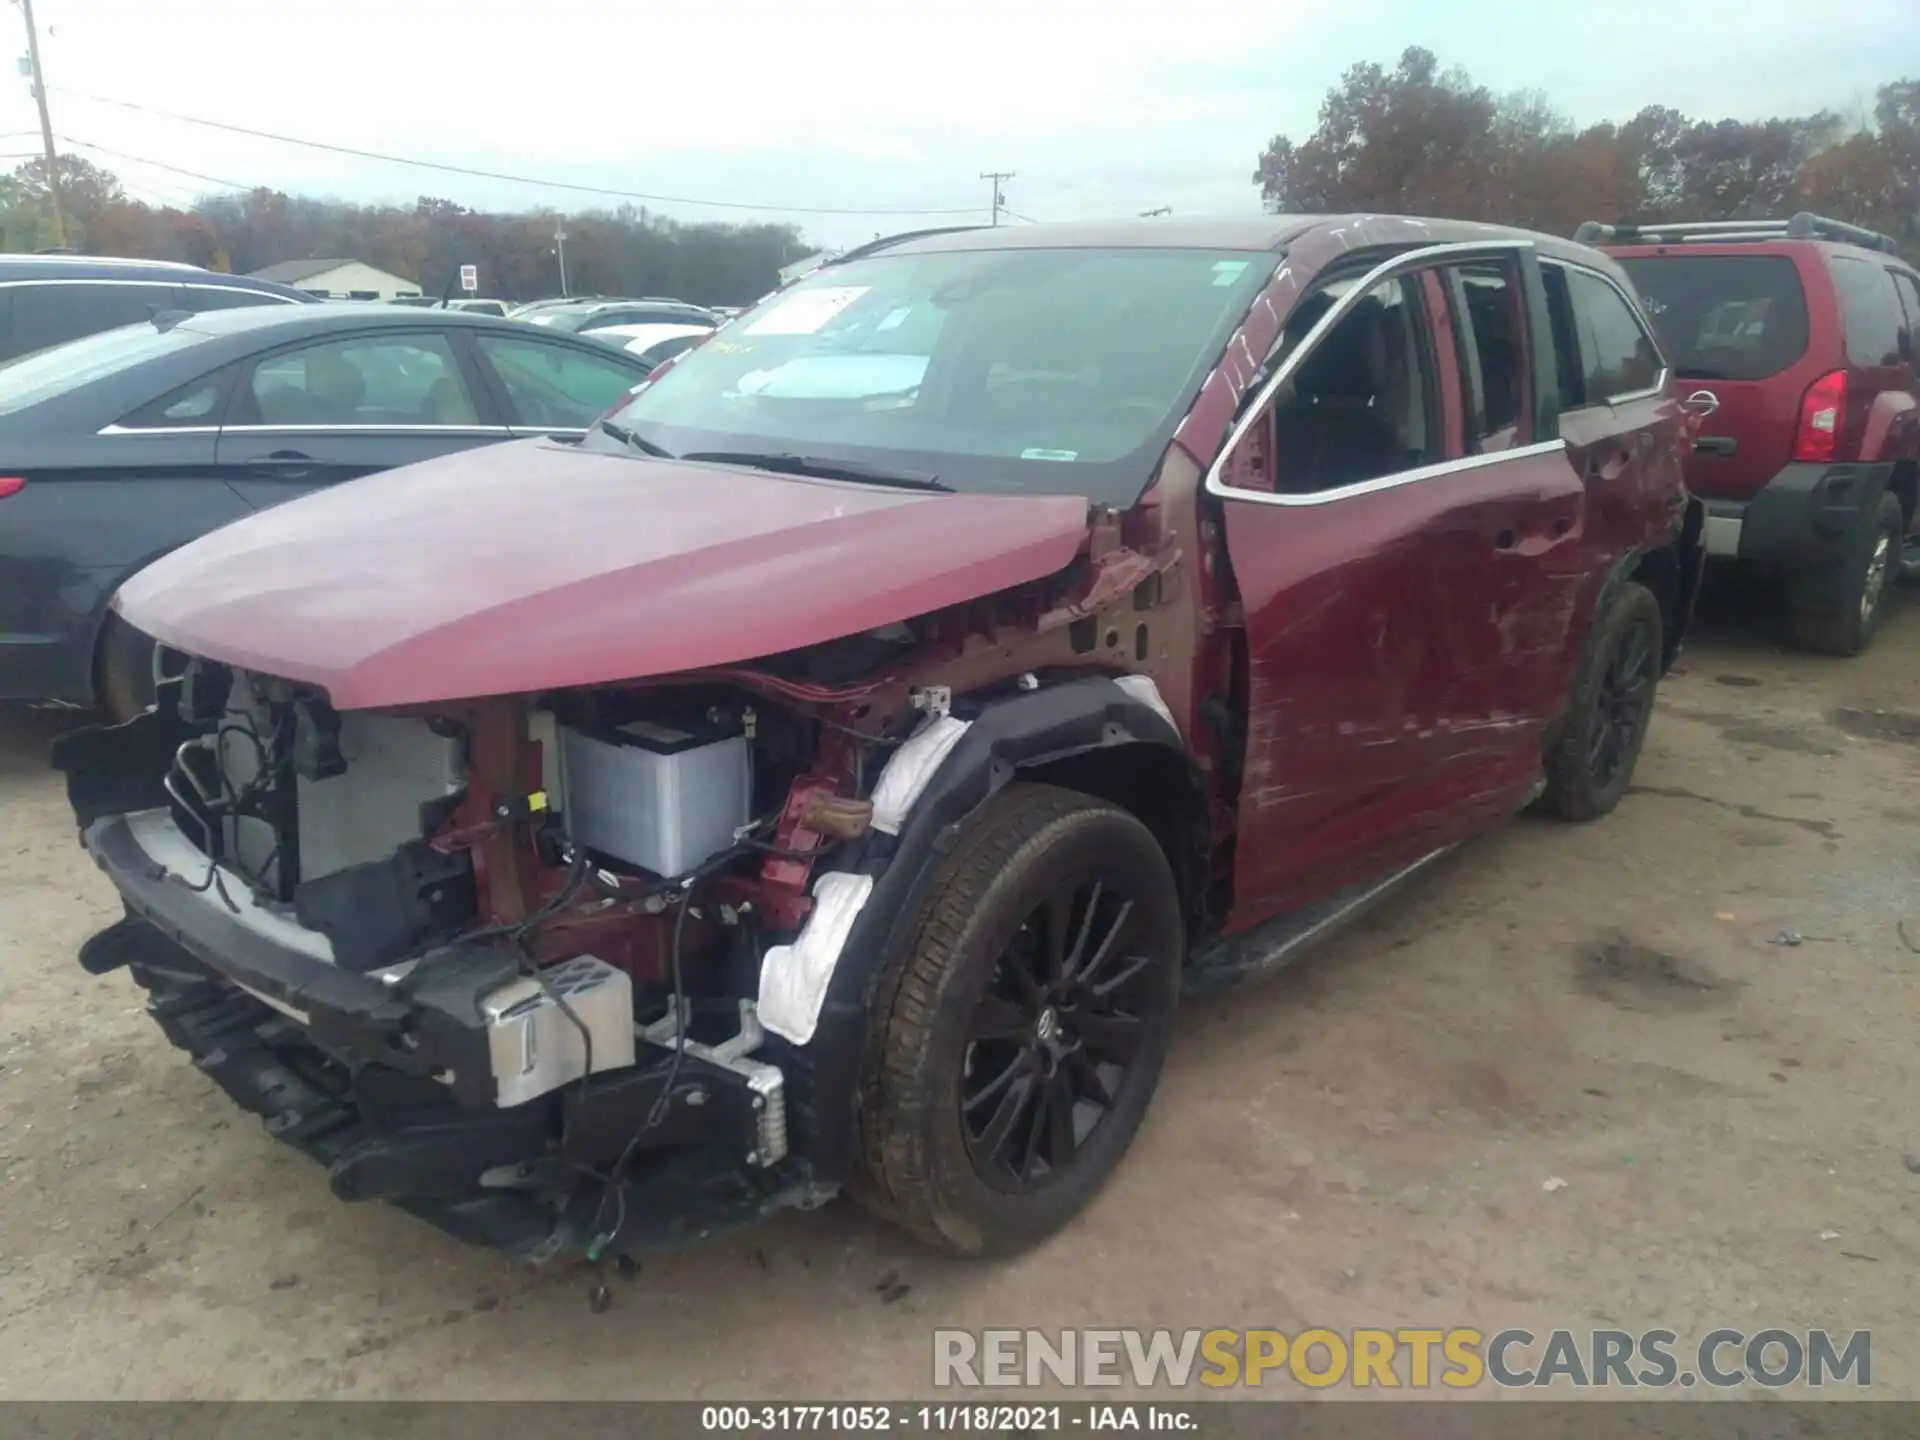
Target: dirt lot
[{"x": 1363, "y": 1141}]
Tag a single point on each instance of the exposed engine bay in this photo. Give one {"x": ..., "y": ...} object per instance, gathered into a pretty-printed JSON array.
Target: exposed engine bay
[{"x": 568, "y": 904}]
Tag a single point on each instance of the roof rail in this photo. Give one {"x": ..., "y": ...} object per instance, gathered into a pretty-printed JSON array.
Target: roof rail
[
  {"x": 1803, "y": 226},
  {"x": 873, "y": 247}
]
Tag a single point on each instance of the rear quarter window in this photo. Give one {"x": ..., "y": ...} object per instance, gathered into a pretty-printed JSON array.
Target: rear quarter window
[
  {"x": 1870, "y": 311},
  {"x": 1723, "y": 317}
]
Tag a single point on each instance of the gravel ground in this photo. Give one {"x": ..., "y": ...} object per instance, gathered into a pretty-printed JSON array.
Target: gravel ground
[{"x": 1365, "y": 1140}]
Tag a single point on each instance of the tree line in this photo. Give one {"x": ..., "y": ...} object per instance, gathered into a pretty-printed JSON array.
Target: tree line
[
  {"x": 1416, "y": 139},
  {"x": 626, "y": 251},
  {"x": 1413, "y": 139}
]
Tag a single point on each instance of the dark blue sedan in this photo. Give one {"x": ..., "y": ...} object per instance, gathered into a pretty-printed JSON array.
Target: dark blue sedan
[{"x": 119, "y": 447}]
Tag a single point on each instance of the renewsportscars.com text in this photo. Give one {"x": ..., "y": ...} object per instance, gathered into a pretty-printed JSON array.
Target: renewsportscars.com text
[{"x": 1403, "y": 1358}]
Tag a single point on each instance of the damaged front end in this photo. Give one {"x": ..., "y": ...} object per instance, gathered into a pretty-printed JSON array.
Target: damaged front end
[
  {"x": 498, "y": 962},
  {"x": 574, "y": 972}
]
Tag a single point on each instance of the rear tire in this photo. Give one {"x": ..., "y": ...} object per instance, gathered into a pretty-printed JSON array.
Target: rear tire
[
  {"x": 1591, "y": 764},
  {"x": 1003, "y": 1081},
  {"x": 126, "y": 671},
  {"x": 1865, "y": 587}
]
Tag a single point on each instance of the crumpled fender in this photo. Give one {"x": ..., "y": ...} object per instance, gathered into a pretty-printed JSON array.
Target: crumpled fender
[{"x": 1001, "y": 738}]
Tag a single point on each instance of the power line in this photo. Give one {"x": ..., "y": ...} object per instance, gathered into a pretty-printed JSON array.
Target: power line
[
  {"x": 156, "y": 164},
  {"x": 1023, "y": 219},
  {"x": 500, "y": 175}
]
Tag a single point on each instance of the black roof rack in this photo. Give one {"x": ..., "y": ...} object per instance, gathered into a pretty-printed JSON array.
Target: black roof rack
[{"x": 1803, "y": 226}]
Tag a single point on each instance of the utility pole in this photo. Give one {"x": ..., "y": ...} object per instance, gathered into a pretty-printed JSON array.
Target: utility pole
[
  {"x": 999, "y": 199},
  {"x": 46, "y": 124},
  {"x": 560, "y": 249}
]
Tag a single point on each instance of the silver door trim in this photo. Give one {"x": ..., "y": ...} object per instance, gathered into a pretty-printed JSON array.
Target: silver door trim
[{"x": 1407, "y": 260}]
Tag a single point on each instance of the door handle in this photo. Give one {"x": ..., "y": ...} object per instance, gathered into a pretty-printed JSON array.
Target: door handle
[{"x": 291, "y": 464}]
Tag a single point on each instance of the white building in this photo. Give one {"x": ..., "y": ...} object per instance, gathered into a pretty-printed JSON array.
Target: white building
[{"x": 339, "y": 279}]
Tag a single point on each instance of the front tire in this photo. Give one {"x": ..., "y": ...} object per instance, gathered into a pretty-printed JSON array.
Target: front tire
[
  {"x": 1017, "y": 1037},
  {"x": 1865, "y": 579},
  {"x": 1591, "y": 764}
]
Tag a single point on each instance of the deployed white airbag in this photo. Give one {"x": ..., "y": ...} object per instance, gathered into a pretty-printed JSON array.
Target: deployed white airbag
[
  {"x": 794, "y": 978},
  {"x": 910, "y": 768}
]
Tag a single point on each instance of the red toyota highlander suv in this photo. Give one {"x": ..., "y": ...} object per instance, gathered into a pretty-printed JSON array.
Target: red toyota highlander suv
[
  {"x": 830, "y": 771},
  {"x": 1794, "y": 341}
]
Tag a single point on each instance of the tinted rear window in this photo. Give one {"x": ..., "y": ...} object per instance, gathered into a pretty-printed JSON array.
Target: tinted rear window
[
  {"x": 1724, "y": 317},
  {"x": 34, "y": 378},
  {"x": 1870, "y": 310}
]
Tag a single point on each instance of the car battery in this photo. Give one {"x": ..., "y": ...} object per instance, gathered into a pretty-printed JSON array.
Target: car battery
[{"x": 653, "y": 796}]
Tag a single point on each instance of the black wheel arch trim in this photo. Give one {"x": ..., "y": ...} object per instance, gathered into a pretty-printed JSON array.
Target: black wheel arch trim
[{"x": 1005, "y": 737}]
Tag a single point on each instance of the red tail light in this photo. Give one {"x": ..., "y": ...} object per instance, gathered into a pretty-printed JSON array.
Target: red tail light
[
  {"x": 11, "y": 485},
  {"x": 1821, "y": 411}
]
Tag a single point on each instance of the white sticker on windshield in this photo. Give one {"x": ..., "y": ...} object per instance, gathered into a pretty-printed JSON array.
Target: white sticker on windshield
[
  {"x": 895, "y": 318},
  {"x": 805, "y": 311},
  {"x": 1225, "y": 272},
  {"x": 1036, "y": 453}
]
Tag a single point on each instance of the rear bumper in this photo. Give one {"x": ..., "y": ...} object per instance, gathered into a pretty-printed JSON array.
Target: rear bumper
[
  {"x": 1802, "y": 519},
  {"x": 391, "y": 1087}
]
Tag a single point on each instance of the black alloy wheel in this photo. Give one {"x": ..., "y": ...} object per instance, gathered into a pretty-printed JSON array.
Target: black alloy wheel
[
  {"x": 1625, "y": 703},
  {"x": 1017, "y": 1032},
  {"x": 1595, "y": 744},
  {"x": 1051, "y": 1045}
]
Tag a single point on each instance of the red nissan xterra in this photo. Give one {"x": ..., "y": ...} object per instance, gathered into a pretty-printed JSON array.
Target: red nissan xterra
[
  {"x": 830, "y": 772},
  {"x": 1794, "y": 344}
]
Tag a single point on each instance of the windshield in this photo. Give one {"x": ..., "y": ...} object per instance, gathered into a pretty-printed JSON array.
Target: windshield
[
  {"x": 36, "y": 377},
  {"x": 1723, "y": 317},
  {"x": 1051, "y": 371}
]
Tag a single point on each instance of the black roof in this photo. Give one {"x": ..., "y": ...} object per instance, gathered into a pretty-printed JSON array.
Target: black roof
[{"x": 108, "y": 267}]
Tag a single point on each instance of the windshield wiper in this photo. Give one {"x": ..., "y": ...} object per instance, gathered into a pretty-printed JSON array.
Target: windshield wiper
[
  {"x": 825, "y": 469},
  {"x": 634, "y": 441}
]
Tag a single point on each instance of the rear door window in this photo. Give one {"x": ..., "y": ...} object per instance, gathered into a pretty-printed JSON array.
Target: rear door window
[
  {"x": 1870, "y": 311},
  {"x": 1567, "y": 362},
  {"x": 52, "y": 314},
  {"x": 1486, "y": 306},
  {"x": 1724, "y": 317},
  {"x": 1621, "y": 358},
  {"x": 398, "y": 380}
]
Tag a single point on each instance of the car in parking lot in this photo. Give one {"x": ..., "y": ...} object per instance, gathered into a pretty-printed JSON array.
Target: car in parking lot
[
  {"x": 653, "y": 343},
  {"x": 829, "y": 783},
  {"x": 588, "y": 316},
  {"x": 49, "y": 299},
  {"x": 120, "y": 446},
  {"x": 1795, "y": 342}
]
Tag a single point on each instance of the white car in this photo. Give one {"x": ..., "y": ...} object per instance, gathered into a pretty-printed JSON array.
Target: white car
[{"x": 655, "y": 344}]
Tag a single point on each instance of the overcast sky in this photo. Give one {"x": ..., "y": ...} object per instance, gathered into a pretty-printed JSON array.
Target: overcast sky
[{"x": 1100, "y": 107}]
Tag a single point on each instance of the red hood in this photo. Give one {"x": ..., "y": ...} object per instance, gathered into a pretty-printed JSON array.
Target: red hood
[{"x": 536, "y": 566}]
